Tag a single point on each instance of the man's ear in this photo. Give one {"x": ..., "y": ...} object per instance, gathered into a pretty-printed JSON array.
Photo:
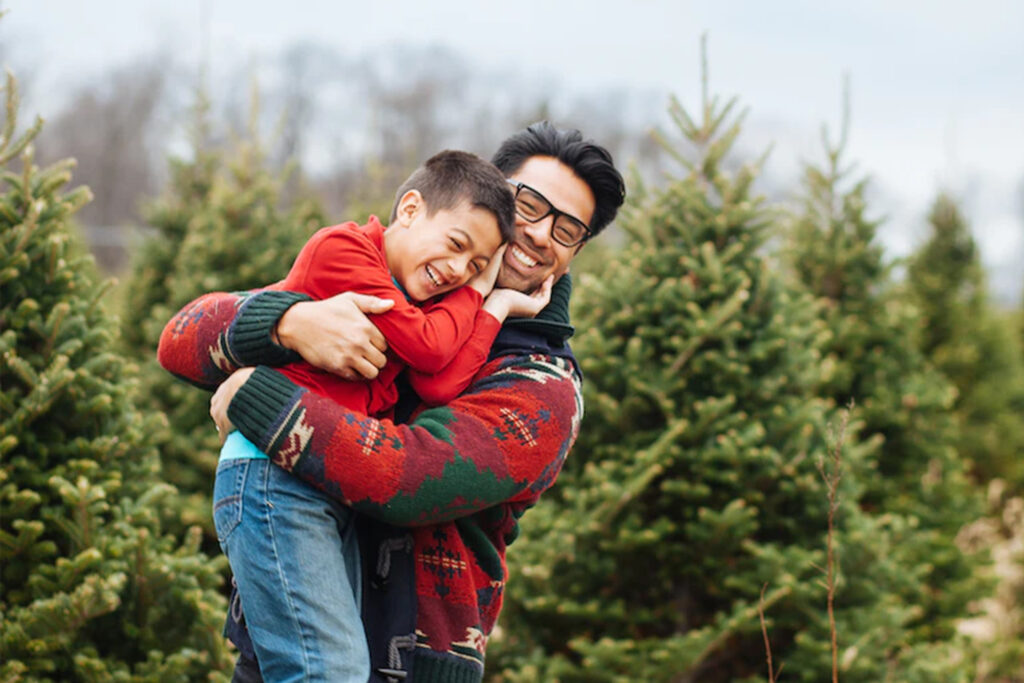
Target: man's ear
[{"x": 409, "y": 206}]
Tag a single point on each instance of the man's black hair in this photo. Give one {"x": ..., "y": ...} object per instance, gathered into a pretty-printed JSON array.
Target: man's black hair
[
  {"x": 452, "y": 177},
  {"x": 587, "y": 159}
]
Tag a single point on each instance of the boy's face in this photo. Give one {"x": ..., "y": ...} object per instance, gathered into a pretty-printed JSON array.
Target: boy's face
[
  {"x": 533, "y": 254},
  {"x": 436, "y": 254}
]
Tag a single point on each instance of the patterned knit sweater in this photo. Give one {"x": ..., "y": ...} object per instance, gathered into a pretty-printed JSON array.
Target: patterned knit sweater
[{"x": 462, "y": 474}]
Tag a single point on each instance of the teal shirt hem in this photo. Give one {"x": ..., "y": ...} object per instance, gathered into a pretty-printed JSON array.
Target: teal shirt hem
[{"x": 237, "y": 447}]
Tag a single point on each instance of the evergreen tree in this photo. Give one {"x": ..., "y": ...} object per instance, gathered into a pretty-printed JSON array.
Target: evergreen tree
[
  {"x": 904, "y": 405},
  {"x": 972, "y": 344},
  {"x": 222, "y": 225},
  {"x": 695, "y": 479},
  {"x": 191, "y": 182},
  {"x": 93, "y": 590}
]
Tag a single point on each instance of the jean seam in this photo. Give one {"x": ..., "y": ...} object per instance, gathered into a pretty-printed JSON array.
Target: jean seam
[
  {"x": 242, "y": 471},
  {"x": 288, "y": 592}
]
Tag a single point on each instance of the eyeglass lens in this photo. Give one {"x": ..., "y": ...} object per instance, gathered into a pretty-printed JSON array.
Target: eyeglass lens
[{"x": 533, "y": 207}]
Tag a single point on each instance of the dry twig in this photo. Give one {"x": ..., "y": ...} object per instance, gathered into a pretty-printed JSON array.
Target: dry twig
[
  {"x": 772, "y": 674},
  {"x": 831, "y": 476}
]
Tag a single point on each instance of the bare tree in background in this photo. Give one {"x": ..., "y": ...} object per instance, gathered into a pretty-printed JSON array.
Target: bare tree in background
[
  {"x": 355, "y": 124},
  {"x": 109, "y": 126}
]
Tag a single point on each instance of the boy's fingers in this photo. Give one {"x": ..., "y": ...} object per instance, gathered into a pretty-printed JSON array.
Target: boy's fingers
[{"x": 545, "y": 289}]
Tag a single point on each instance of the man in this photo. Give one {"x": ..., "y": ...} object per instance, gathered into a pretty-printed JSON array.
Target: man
[{"x": 456, "y": 479}]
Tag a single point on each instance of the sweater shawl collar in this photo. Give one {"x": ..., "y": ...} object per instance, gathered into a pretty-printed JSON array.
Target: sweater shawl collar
[{"x": 548, "y": 333}]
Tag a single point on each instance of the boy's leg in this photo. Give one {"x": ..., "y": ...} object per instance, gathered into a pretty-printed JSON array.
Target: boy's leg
[{"x": 292, "y": 552}]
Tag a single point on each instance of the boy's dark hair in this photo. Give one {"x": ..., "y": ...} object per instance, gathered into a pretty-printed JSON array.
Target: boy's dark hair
[
  {"x": 587, "y": 159},
  {"x": 451, "y": 177}
]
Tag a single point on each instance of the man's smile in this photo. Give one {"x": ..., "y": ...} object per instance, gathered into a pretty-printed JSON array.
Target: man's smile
[{"x": 522, "y": 257}]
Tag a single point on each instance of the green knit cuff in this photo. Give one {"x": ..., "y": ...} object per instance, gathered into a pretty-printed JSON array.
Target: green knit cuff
[
  {"x": 249, "y": 340},
  {"x": 445, "y": 668},
  {"x": 260, "y": 405}
]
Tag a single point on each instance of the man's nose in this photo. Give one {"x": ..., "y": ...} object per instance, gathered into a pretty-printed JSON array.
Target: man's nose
[{"x": 540, "y": 232}]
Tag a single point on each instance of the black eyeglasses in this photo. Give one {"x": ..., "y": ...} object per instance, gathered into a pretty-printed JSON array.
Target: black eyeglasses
[{"x": 535, "y": 207}]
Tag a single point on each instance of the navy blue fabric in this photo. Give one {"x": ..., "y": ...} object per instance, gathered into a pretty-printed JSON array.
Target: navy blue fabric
[{"x": 389, "y": 598}]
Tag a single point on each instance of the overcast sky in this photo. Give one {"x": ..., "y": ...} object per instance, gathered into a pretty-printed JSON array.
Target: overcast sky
[{"x": 938, "y": 86}]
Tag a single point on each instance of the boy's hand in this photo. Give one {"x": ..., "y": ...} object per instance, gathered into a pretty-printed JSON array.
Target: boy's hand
[
  {"x": 335, "y": 334},
  {"x": 483, "y": 281},
  {"x": 222, "y": 399},
  {"x": 510, "y": 303}
]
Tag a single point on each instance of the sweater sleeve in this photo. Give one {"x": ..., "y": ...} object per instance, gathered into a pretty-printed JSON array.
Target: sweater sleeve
[
  {"x": 220, "y": 332},
  {"x": 503, "y": 441},
  {"x": 426, "y": 339},
  {"x": 437, "y": 389}
]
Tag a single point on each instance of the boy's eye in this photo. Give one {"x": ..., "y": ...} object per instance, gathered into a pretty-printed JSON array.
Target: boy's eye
[
  {"x": 476, "y": 267},
  {"x": 457, "y": 244}
]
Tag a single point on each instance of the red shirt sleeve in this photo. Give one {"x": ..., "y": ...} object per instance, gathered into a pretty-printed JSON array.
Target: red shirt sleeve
[
  {"x": 344, "y": 260},
  {"x": 439, "y": 388}
]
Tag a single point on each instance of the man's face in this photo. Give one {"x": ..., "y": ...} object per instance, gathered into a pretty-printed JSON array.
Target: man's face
[{"x": 533, "y": 254}]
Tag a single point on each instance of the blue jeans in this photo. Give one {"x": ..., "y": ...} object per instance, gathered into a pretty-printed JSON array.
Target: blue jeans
[{"x": 295, "y": 558}]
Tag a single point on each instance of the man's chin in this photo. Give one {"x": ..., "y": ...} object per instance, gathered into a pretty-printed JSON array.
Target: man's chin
[{"x": 512, "y": 280}]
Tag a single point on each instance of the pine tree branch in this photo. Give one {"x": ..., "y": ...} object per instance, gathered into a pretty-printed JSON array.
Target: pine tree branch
[
  {"x": 648, "y": 461},
  {"x": 720, "y": 315}
]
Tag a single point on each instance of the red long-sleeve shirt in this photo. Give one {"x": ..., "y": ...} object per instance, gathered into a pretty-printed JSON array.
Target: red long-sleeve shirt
[{"x": 444, "y": 342}]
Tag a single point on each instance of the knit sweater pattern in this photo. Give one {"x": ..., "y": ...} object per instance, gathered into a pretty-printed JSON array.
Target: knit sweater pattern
[{"x": 461, "y": 475}]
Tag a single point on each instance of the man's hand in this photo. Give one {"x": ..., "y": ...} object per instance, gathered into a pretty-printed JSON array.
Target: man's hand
[
  {"x": 222, "y": 399},
  {"x": 483, "y": 281},
  {"x": 335, "y": 334}
]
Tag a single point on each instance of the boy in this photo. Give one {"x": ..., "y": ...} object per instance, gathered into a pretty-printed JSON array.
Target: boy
[{"x": 450, "y": 218}]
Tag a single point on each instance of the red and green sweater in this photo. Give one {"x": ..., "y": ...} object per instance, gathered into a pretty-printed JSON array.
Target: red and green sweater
[{"x": 460, "y": 475}]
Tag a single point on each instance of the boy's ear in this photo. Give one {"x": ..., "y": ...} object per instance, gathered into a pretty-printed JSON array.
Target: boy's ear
[{"x": 409, "y": 205}]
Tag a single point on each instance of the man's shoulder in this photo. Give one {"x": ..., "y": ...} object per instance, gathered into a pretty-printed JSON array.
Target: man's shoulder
[{"x": 549, "y": 377}]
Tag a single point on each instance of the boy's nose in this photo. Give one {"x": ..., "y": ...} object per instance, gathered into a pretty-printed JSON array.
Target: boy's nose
[{"x": 457, "y": 268}]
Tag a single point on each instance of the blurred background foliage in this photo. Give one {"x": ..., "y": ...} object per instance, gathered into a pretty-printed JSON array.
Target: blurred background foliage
[{"x": 724, "y": 322}]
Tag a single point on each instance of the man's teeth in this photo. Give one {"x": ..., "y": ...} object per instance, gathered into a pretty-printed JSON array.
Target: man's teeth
[{"x": 521, "y": 256}]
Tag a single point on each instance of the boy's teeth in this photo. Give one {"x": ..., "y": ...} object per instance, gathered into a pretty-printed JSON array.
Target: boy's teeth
[
  {"x": 521, "y": 256},
  {"x": 433, "y": 278}
]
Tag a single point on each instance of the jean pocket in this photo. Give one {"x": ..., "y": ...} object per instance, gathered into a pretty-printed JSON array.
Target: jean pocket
[{"x": 228, "y": 487}]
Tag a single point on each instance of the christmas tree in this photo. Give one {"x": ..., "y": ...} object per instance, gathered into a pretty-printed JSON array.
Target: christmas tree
[
  {"x": 695, "y": 482},
  {"x": 222, "y": 225},
  {"x": 972, "y": 344},
  {"x": 93, "y": 589},
  {"x": 904, "y": 406}
]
